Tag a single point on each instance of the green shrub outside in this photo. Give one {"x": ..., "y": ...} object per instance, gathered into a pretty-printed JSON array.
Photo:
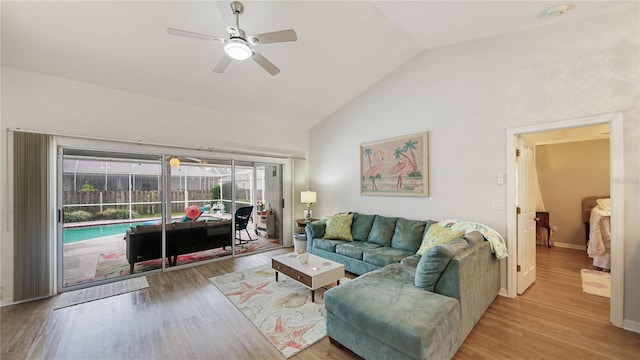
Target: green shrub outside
[
  {"x": 111, "y": 214},
  {"x": 77, "y": 216},
  {"x": 87, "y": 187},
  {"x": 227, "y": 189}
]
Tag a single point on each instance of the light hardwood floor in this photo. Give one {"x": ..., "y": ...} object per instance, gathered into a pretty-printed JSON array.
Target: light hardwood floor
[{"x": 182, "y": 315}]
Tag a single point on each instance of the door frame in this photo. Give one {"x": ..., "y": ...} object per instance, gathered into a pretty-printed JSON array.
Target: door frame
[{"x": 616, "y": 173}]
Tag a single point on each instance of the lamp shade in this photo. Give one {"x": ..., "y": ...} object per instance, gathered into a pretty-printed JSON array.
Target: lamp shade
[{"x": 308, "y": 197}]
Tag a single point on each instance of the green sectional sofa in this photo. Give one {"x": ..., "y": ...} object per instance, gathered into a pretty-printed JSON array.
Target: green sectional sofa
[{"x": 406, "y": 306}]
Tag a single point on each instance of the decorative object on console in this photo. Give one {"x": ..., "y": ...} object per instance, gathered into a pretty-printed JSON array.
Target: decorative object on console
[
  {"x": 308, "y": 197},
  {"x": 396, "y": 166},
  {"x": 303, "y": 258}
]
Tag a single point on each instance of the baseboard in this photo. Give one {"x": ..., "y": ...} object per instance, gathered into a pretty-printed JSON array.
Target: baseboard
[
  {"x": 9, "y": 301},
  {"x": 503, "y": 292},
  {"x": 570, "y": 246},
  {"x": 631, "y": 325}
]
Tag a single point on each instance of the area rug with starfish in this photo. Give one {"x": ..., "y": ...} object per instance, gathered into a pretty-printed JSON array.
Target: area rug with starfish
[
  {"x": 596, "y": 282},
  {"x": 282, "y": 310}
]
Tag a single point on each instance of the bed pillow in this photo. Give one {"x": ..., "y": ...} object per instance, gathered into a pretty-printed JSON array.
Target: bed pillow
[
  {"x": 339, "y": 227},
  {"x": 605, "y": 204},
  {"x": 437, "y": 235}
]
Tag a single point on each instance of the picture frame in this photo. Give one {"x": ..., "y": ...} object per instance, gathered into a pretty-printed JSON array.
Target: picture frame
[{"x": 395, "y": 167}]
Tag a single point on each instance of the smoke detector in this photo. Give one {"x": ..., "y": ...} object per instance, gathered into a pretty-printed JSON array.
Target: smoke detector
[{"x": 557, "y": 10}]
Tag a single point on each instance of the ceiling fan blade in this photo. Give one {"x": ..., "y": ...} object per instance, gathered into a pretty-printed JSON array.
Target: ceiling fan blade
[
  {"x": 194, "y": 35},
  {"x": 266, "y": 64},
  {"x": 274, "y": 37},
  {"x": 224, "y": 6},
  {"x": 222, "y": 64}
]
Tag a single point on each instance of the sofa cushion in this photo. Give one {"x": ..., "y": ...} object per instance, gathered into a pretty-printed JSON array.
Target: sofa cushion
[
  {"x": 361, "y": 226},
  {"x": 434, "y": 261},
  {"x": 355, "y": 249},
  {"x": 327, "y": 244},
  {"x": 316, "y": 228},
  {"x": 412, "y": 260},
  {"x": 339, "y": 227},
  {"x": 437, "y": 235},
  {"x": 382, "y": 230},
  {"x": 385, "y": 255},
  {"x": 407, "y": 234}
]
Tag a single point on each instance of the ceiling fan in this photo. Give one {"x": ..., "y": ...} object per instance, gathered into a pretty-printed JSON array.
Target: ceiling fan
[{"x": 239, "y": 46}]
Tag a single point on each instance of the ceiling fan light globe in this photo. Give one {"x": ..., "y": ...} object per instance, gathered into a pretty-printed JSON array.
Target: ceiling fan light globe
[{"x": 238, "y": 49}]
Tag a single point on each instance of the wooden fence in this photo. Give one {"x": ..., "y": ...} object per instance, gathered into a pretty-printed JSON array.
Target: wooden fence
[{"x": 144, "y": 202}]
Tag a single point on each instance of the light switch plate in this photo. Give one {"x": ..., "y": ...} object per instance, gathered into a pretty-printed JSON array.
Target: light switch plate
[{"x": 498, "y": 205}]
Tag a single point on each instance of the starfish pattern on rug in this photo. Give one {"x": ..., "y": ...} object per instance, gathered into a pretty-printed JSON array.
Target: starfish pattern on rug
[
  {"x": 284, "y": 336},
  {"x": 248, "y": 291}
]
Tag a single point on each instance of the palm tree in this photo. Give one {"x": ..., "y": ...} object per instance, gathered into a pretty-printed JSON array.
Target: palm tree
[
  {"x": 397, "y": 153},
  {"x": 367, "y": 152},
  {"x": 410, "y": 146}
]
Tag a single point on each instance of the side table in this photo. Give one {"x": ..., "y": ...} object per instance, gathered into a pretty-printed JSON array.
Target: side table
[
  {"x": 542, "y": 221},
  {"x": 302, "y": 222}
]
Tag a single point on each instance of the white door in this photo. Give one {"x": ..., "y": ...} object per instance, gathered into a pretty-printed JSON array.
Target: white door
[{"x": 525, "y": 179}]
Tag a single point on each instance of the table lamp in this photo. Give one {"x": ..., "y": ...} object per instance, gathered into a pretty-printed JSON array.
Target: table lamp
[{"x": 308, "y": 197}]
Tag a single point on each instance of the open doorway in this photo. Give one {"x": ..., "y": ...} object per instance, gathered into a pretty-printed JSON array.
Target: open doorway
[{"x": 614, "y": 121}]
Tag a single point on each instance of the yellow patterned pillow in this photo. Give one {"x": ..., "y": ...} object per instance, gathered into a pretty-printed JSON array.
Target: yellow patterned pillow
[
  {"x": 437, "y": 235},
  {"x": 339, "y": 227}
]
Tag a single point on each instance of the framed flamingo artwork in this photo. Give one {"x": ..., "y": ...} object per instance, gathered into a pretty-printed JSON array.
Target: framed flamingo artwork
[{"x": 395, "y": 167}]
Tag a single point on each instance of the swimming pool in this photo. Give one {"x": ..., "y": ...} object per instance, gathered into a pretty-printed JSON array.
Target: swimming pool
[{"x": 71, "y": 235}]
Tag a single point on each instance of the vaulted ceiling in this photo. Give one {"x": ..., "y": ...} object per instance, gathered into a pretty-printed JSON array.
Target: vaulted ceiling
[{"x": 343, "y": 47}]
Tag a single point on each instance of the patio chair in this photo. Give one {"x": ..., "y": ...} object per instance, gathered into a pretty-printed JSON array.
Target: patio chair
[{"x": 243, "y": 215}]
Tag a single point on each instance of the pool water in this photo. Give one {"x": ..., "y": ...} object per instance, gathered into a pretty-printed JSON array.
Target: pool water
[{"x": 71, "y": 235}]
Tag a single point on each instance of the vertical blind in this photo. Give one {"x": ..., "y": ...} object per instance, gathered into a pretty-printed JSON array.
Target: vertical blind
[{"x": 31, "y": 257}]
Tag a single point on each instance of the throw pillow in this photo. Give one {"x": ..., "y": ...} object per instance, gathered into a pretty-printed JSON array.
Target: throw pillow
[
  {"x": 339, "y": 227},
  {"x": 437, "y": 235},
  {"x": 433, "y": 263}
]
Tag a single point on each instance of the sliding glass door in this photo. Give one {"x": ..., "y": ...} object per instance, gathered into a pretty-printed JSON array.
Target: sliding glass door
[
  {"x": 258, "y": 196},
  {"x": 111, "y": 215},
  {"x": 200, "y": 211},
  {"x": 123, "y": 215}
]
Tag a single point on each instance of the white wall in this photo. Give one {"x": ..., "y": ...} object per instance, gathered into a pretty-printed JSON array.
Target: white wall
[
  {"x": 35, "y": 101},
  {"x": 466, "y": 96},
  {"x": 38, "y": 102},
  {"x": 567, "y": 173}
]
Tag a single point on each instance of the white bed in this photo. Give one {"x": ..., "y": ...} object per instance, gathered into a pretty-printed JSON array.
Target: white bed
[{"x": 599, "y": 232}]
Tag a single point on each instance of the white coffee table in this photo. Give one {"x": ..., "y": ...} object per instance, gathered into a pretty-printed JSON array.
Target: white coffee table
[{"x": 316, "y": 273}]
